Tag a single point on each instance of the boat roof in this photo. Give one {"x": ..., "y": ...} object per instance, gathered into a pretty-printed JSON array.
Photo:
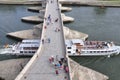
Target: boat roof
[
  {"x": 29, "y": 40},
  {"x": 74, "y": 41},
  {"x": 70, "y": 42},
  {"x": 30, "y": 43}
]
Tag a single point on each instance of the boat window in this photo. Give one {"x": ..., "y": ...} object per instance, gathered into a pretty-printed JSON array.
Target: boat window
[
  {"x": 69, "y": 47},
  {"x": 90, "y": 51},
  {"x": 35, "y": 42},
  {"x": 76, "y": 50},
  {"x": 21, "y": 51},
  {"x": 26, "y": 48},
  {"x": 33, "y": 51},
  {"x": 69, "y": 51},
  {"x": 34, "y": 48},
  {"x": 105, "y": 51},
  {"x": 29, "y": 48},
  {"x": 109, "y": 51},
  {"x": 29, "y": 51}
]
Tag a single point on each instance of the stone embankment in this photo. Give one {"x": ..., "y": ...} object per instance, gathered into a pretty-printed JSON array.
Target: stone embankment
[
  {"x": 35, "y": 33},
  {"x": 38, "y": 8},
  {"x": 20, "y": 2},
  {"x": 66, "y": 2},
  {"x": 39, "y": 19},
  {"x": 91, "y": 3},
  {"x": 9, "y": 69},
  {"x": 78, "y": 72}
]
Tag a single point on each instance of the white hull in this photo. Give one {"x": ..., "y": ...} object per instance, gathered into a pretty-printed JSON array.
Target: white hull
[{"x": 94, "y": 54}]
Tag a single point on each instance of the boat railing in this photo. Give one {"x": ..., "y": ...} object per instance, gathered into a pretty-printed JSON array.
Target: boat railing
[
  {"x": 93, "y": 47},
  {"x": 94, "y": 42},
  {"x": 110, "y": 51}
]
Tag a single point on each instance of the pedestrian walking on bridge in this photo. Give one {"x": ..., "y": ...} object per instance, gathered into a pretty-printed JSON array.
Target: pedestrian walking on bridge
[{"x": 56, "y": 71}]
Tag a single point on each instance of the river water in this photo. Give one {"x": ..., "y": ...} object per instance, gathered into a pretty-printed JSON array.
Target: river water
[
  {"x": 10, "y": 21},
  {"x": 100, "y": 24}
]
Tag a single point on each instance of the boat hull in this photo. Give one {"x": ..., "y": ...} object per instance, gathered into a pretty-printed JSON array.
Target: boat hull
[{"x": 94, "y": 54}]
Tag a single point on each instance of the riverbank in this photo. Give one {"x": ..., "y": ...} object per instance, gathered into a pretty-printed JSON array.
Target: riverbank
[
  {"x": 9, "y": 69},
  {"x": 14, "y": 66},
  {"x": 65, "y": 2},
  {"x": 91, "y": 3},
  {"x": 20, "y": 2}
]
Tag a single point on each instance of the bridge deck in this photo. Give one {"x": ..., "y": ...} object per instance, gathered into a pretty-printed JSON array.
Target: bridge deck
[{"x": 40, "y": 68}]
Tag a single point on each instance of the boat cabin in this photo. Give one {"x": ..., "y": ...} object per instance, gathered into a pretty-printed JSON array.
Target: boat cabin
[
  {"x": 74, "y": 46},
  {"x": 27, "y": 46}
]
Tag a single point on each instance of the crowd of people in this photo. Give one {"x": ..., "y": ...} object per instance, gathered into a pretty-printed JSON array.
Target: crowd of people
[{"x": 59, "y": 64}]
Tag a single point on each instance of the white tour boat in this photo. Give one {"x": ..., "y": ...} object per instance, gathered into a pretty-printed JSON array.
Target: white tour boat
[
  {"x": 78, "y": 47},
  {"x": 25, "y": 48},
  {"x": 74, "y": 47}
]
